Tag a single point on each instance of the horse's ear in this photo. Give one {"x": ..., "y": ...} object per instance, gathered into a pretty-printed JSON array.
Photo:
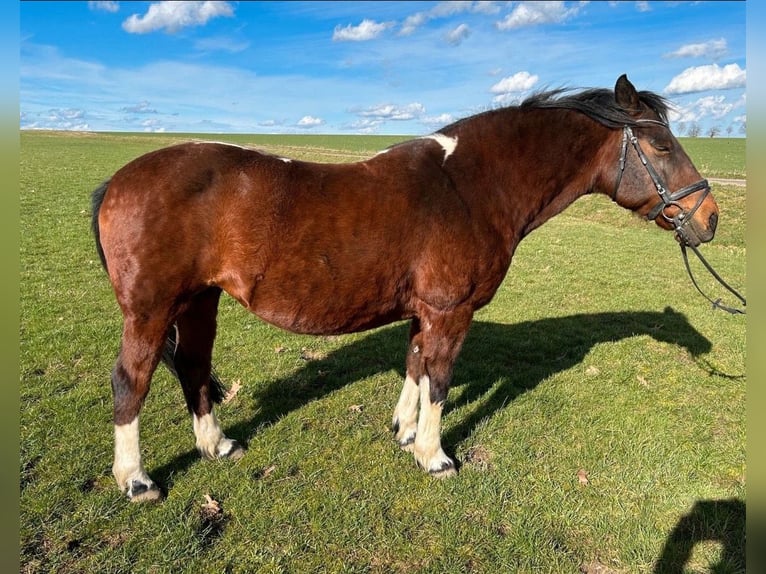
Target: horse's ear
[{"x": 626, "y": 96}]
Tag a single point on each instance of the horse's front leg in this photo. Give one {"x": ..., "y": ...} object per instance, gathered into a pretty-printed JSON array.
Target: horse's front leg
[
  {"x": 443, "y": 334},
  {"x": 405, "y": 421}
]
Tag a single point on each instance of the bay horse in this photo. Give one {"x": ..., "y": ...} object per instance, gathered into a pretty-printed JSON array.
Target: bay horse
[{"x": 423, "y": 231}]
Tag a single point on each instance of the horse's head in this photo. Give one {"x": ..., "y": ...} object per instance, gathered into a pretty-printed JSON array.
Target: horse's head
[{"x": 655, "y": 178}]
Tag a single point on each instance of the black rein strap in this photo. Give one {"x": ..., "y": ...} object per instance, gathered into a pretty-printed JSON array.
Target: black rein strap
[{"x": 717, "y": 303}]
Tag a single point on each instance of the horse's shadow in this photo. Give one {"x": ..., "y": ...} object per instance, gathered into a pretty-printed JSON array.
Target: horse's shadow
[
  {"x": 498, "y": 363},
  {"x": 722, "y": 521}
]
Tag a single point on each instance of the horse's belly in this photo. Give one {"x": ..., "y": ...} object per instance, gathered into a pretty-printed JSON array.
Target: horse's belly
[
  {"x": 318, "y": 316},
  {"x": 312, "y": 305}
]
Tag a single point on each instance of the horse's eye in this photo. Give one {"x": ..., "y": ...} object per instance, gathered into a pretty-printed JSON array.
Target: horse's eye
[{"x": 660, "y": 146}]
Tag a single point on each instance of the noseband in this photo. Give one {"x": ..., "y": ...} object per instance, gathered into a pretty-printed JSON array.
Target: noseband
[
  {"x": 667, "y": 199},
  {"x": 681, "y": 219}
]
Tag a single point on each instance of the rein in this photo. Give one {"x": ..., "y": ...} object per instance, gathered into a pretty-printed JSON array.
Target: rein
[
  {"x": 679, "y": 220},
  {"x": 717, "y": 303}
]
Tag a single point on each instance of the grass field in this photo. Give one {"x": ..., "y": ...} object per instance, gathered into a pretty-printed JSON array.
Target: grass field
[{"x": 598, "y": 407}]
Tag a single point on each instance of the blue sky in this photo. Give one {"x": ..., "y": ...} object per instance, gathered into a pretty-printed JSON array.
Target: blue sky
[{"x": 364, "y": 67}]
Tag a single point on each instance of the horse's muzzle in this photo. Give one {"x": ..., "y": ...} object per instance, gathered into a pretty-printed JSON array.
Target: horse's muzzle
[
  {"x": 712, "y": 223},
  {"x": 693, "y": 232}
]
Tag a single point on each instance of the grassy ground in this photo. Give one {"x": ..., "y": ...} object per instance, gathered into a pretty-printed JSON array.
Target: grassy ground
[
  {"x": 717, "y": 157},
  {"x": 597, "y": 410}
]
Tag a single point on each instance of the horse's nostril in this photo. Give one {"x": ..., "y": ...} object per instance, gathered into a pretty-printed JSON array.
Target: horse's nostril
[{"x": 712, "y": 221}]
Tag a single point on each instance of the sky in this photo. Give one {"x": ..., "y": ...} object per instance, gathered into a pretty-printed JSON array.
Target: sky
[{"x": 404, "y": 68}]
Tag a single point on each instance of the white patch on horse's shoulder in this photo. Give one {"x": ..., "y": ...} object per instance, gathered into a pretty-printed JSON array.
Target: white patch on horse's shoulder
[
  {"x": 449, "y": 144},
  {"x": 219, "y": 143},
  {"x": 285, "y": 159},
  {"x": 381, "y": 152}
]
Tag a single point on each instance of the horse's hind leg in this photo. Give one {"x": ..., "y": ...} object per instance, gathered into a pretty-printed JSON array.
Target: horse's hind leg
[
  {"x": 405, "y": 420},
  {"x": 195, "y": 335},
  {"x": 142, "y": 341}
]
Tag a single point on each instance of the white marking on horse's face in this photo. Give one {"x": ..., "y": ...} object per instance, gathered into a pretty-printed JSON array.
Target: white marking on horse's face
[{"x": 449, "y": 144}]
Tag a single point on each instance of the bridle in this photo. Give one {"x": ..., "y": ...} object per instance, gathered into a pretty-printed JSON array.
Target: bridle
[
  {"x": 667, "y": 199},
  {"x": 682, "y": 218}
]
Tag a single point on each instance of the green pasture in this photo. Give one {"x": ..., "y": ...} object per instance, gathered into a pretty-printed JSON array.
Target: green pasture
[{"x": 597, "y": 411}]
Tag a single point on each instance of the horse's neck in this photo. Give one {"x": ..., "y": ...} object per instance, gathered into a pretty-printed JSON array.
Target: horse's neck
[{"x": 536, "y": 177}]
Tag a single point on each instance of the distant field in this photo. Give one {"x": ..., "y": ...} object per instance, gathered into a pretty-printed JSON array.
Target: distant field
[
  {"x": 598, "y": 408},
  {"x": 714, "y": 157},
  {"x": 717, "y": 157}
]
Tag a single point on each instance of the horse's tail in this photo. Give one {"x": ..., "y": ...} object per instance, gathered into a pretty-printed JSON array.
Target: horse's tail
[
  {"x": 96, "y": 200},
  {"x": 217, "y": 389}
]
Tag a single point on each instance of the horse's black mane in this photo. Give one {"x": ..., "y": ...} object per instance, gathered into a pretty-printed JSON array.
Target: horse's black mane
[{"x": 597, "y": 103}]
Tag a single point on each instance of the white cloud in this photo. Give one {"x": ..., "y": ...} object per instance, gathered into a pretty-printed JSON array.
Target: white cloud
[
  {"x": 309, "y": 122},
  {"x": 153, "y": 125},
  {"x": 643, "y": 7},
  {"x": 69, "y": 119},
  {"x": 711, "y": 49},
  {"x": 707, "y": 107},
  {"x": 510, "y": 88},
  {"x": 456, "y": 36},
  {"x": 519, "y": 82},
  {"x": 221, "y": 44},
  {"x": 440, "y": 120},
  {"x": 108, "y": 6},
  {"x": 68, "y": 113},
  {"x": 367, "y": 30},
  {"x": 392, "y": 112},
  {"x": 714, "y": 106},
  {"x": 270, "y": 123},
  {"x": 173, "y": 16},
  {"x": 445, "y": 10},
  {"x": 365, "y": 125},
  {"x": 711, "y": 77},
  {"x": 412, "y": 23},
  {"x": 140, "y": 108},
  {"x": 536, "y": 13},
  {"x": 485, "y": 8}
]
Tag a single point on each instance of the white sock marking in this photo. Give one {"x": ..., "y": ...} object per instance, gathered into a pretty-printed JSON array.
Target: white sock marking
[
  {"x": 127, "y": 455},
  {"x": 208, "y": 433},
  {"x": 406, "y": 411},
  {"x": 429, "y": 422},
  {"x": 428, "y": 450}
]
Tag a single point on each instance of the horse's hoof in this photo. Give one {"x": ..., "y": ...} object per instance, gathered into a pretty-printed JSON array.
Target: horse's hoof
[
  {"x": 234, "y": 452},
  {"x": 446, "y": 469},
  {"x": 442, "y": 467},
  {"x": 404, "y": 438},
  {"x": 142, "y": 492},
  {"x": 407, "y": 444}
]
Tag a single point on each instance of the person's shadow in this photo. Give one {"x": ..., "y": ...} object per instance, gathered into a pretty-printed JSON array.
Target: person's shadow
[
  {"x": 498, "y": 363},
  {"x": 717, "y": 520}
]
